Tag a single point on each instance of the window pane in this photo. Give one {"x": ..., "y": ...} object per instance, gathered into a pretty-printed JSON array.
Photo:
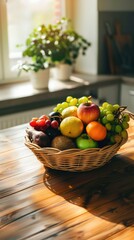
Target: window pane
[{"x": 24, "y": 15}]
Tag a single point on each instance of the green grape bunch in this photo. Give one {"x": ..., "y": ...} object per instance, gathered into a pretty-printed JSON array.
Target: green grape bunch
[
  {"x": 116, "y": 120},
  {"x": 71, "y": 101}
]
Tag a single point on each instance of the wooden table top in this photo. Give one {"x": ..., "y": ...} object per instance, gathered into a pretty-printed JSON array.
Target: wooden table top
[{"x": 38, "y": 203}]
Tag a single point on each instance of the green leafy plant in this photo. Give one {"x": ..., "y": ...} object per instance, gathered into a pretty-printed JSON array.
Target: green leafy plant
[
  {"x": 48, "y": 45},
  {"x": 37, "y": 50},
  {"x": 67, "y": 43}
]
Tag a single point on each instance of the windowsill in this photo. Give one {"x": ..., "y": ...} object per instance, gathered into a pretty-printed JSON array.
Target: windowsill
[
  {"x": 21, "y": 96},
  {"x": 24, "y": 89}
]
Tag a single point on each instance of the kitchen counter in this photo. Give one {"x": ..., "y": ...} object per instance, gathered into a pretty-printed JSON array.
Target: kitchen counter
[
  {"x": 21, "y": 96},
  {"x": 40, "y": 203}
]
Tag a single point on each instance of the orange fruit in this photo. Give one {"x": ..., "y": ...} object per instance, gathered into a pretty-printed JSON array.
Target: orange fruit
[
  {"x": 96, "y": 131},
  {"x": 71, "y": 127}
]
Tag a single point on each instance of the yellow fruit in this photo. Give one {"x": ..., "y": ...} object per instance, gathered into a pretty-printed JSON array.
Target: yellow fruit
[
  {"x": 69, "y": 111},
  {"x": 71, "y": 127}
]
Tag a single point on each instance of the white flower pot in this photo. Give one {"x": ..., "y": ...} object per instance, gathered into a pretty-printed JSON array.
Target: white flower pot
[
  {"x": 62, "y": 72},
  {"x": 40, "y": 79}
]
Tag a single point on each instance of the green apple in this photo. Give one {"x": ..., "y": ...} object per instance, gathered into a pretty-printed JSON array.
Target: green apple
[{"x": 84, "y": 142}]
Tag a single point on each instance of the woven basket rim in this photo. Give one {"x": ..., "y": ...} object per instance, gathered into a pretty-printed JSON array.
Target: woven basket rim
[
  {"x": 56, "y": 151},
  {"x": 75, "y": 159}
]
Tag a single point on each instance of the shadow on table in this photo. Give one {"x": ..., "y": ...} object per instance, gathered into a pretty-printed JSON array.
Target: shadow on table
[{"x": 107, "y": 192}]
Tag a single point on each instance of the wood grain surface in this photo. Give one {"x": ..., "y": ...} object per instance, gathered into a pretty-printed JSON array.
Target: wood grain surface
[{"x": 38, "y": 203}]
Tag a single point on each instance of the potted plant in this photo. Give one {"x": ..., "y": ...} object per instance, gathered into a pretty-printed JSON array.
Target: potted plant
[
  {"x": 55, "y": 45},
  {"x": 67, "y": 46},
  {"x": 37, "y": 52}
]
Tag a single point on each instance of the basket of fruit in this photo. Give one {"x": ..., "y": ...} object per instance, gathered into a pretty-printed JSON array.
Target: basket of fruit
[{"x": 78, "y": 135}]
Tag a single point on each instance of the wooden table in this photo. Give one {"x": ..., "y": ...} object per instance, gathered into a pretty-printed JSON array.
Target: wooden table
[{"x": 45, "y": 204}]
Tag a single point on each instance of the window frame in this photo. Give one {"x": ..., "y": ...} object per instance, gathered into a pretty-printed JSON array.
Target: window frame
[
  {"x": 6, "y": 75},
  {"x": 1, "y": 40}
]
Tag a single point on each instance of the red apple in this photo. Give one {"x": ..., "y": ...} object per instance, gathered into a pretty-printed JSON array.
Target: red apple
[{"x": 88, "y": 112}]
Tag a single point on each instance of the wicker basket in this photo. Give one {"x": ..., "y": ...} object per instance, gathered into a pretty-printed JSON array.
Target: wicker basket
[{"x": 74, "y": 160}]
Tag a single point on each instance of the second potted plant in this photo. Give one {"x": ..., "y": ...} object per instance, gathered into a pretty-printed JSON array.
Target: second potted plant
[{"x": 68, "y": 45}]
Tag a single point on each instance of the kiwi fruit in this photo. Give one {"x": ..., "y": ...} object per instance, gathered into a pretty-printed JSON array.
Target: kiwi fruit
[{"x": 62, "y": 143}]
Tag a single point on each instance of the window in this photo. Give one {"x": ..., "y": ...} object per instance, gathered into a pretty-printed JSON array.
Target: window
[{"x": 17, "y": 19}]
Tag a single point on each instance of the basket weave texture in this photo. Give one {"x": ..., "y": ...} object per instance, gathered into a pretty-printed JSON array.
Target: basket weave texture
[{"x": 74, "y": 160}]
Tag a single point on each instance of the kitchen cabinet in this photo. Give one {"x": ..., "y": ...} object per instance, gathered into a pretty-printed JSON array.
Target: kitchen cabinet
[
  {"x": 89, "y": 19},
  {"x": 127, "y": 96},
  {"x": 120, "y": 5},
  {"x": 110, "y": 94}
]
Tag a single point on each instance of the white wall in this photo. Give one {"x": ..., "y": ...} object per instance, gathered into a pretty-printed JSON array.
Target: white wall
[{"x": 86, "y": 23}]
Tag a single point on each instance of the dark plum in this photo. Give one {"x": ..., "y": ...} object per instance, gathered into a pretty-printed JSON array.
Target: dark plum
[
  {"x": 52, "y": 132},
  {"x": 55, "y": 116}
]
